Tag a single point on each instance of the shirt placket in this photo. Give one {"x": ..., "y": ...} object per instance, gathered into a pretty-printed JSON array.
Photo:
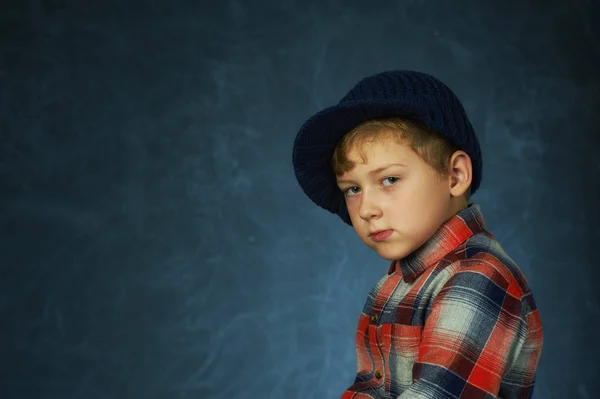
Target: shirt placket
[{"x": 381, "y": 298}]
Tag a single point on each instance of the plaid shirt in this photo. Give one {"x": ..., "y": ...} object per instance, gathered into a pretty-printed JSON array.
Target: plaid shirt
[{"x": 454, "y": 319}]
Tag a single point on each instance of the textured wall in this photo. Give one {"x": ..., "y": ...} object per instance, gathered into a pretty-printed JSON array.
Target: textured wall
[{"x": 155, "y": 243}]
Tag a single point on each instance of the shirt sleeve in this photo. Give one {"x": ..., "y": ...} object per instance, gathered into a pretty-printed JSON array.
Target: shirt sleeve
[{"x": 471, "y": 338}]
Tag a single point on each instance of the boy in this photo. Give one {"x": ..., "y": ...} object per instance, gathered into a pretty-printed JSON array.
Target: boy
[{"x": 397, "y": 159}]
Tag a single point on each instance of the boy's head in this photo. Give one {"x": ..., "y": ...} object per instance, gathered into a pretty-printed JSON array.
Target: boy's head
[
  {"x": 392, "y": 115},
  {"x": 428, "y": 182}
]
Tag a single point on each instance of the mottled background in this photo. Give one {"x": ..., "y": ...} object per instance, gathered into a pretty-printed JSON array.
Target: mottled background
[{"x": 155, "y": 242}]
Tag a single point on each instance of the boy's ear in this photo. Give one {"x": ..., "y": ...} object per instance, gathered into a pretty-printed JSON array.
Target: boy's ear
[{"x": 461, "y": 173}]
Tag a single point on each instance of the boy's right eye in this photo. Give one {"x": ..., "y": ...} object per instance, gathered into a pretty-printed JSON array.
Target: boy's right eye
[{"x": 346, "y": 192}]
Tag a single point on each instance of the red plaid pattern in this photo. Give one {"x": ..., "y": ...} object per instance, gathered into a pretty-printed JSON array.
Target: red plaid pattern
[{"x": 455, "y": 319}]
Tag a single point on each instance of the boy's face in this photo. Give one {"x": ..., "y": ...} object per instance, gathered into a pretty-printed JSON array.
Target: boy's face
[{"x": 410, "y": 199}]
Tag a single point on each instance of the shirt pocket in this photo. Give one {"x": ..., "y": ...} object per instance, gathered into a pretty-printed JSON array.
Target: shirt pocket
[{"x": 399, "y": 345}]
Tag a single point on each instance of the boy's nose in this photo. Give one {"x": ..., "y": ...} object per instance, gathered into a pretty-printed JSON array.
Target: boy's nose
[{"x": 368, "y": 209}]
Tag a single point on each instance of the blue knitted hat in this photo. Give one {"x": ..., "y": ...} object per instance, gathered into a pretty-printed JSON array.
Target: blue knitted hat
[{"x": 406, "y": 94}]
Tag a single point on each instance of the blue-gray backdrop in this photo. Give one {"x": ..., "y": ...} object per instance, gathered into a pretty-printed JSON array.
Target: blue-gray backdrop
[{"x": 155, "y": 243}]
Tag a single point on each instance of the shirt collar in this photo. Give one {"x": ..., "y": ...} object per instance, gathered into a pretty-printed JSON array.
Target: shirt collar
[{"x": 451, "y": 233}]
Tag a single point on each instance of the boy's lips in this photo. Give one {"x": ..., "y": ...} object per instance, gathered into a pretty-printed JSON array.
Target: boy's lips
[
  {"x": 380, "y": 235},
  {"x": 376, "y": 231}
]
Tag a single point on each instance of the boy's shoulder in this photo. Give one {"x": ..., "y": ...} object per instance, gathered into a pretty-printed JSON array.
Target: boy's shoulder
[
  {"x": 482, "y": 253},
  {"x": 463, "y": 255}
]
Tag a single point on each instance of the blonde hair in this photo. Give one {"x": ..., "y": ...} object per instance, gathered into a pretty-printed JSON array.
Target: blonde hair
[{"x": 433, "y": 148}]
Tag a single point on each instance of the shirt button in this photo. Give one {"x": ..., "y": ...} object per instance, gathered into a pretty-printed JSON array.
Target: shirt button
[
  {"x": 374, "y": 318},
  {"x": 378, "y": 374}
]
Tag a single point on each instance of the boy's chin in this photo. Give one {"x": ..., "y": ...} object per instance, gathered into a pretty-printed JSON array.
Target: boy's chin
[
  {"x": 387, "y": 257},
  {"x": 391, "y": 253}
]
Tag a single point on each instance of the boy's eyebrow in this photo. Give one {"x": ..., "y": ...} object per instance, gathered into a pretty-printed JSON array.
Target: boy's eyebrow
[{"x": 375, "y": 171}]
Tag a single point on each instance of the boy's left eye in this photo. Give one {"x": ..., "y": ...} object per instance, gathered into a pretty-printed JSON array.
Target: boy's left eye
[{"x": 393, "y": 178}]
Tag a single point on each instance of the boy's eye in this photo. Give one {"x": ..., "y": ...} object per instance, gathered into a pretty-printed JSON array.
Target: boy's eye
[
  {"x": 394, "y": 178},
  {"x": 349, "y": 192}
]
